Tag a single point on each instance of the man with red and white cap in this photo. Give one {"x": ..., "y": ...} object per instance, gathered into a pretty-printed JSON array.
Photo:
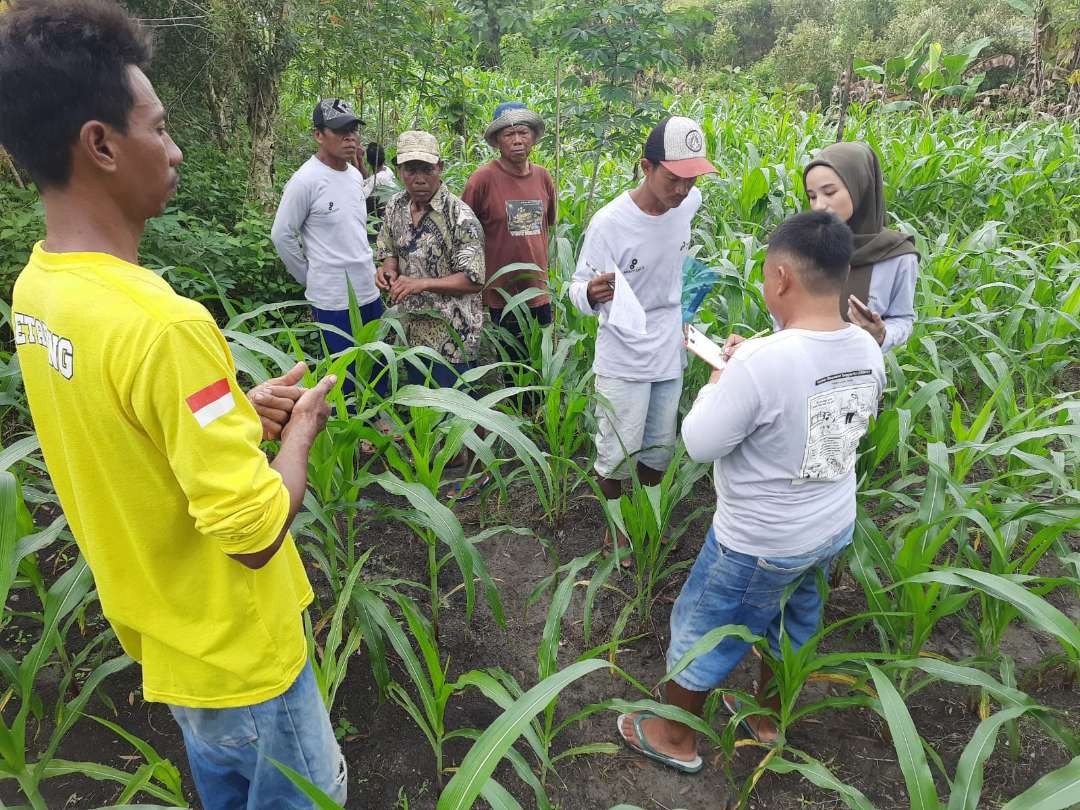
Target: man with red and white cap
[{"x": 640, "y": 240}]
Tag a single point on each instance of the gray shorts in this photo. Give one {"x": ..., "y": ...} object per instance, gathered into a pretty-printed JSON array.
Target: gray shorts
[{"x": 635, "y": 419}]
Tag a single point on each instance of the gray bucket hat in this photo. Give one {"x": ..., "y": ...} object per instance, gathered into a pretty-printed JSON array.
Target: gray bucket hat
[{"x": 511, "y": 113}]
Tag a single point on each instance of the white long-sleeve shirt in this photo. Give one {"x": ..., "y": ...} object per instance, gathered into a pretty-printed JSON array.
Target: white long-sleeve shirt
[
  {"x": 892, "y": 296},
  {"x": 320, "y": 232}
]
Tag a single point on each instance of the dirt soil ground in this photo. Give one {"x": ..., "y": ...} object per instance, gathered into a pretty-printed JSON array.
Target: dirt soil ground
[{"x": 392, "y": 766}]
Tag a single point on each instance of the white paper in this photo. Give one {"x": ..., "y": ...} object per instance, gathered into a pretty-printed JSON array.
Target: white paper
[
  {"x": 705, "y": 347},
  {"x": 626, "y": 311}
]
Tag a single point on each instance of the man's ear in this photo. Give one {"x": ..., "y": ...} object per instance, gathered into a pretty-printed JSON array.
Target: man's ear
[
  {"x": 646, "y": 167},
  {"x": 97, "y": 145},
  {"x": 784, "y": 278}
]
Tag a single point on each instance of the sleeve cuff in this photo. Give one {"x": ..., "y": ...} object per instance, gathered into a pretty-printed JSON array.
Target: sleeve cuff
[{"x": 264, "y": 530}]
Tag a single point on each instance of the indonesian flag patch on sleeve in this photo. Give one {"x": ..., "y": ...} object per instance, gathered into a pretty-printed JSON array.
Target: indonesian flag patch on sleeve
[{"x": 211, "y": 402}]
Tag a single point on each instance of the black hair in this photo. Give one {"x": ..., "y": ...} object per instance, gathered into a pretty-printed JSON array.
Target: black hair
[
  {"x": 63, "y": 63},
  {"x": 821, "y": 246},
  {"x": 376, "y": 155}
]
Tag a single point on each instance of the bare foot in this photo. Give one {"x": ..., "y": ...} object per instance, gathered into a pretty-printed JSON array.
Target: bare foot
[
  {"x": 656, "y": 732},
  {"x": 764, "y": 728},
  {"x": 623, "y": 545}
]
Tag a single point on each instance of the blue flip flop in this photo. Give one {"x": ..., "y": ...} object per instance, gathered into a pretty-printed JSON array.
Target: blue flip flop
[
  {"x": 684, "y": 766},
  {"x": 460, "y": 494}
]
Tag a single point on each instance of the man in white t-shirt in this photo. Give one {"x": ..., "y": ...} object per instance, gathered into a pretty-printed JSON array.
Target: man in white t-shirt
[
  {"x": 320, "y": 231},
  {"x": 782, "y": 423},
  {"x": 633, "y": 255}
]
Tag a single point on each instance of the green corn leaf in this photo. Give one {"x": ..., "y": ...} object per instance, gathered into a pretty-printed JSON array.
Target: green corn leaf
[
  {"x": 317, "y": 796},
  {"x": 17, "y": 451},
  {"x": 1035, "y": 609},
  {"x": 815, "y": 772},
  {"x": 548, "y": 654},
  {"x": 63, "y": 597},
  {"x": 909, "y": 745},
  {"x": 485, "y": 754},
  {"x": 453, "y": 401},
  {"x": 706, "y": 643},
  {"x": 520, "y": 766},
  {"x": 10, "y": 496},
  {"x": 444, "y": 523},
  {"x": 1056, "y": 791},
  {"x": 71, "y": 711},
  {"x": 99, "y": 773},
  {"x": 498, "y": 797},
  {"x": 967, "y": 784}
]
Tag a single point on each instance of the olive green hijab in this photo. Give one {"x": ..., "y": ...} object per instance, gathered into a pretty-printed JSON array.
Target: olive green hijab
[{"x": 857, "y": 166}]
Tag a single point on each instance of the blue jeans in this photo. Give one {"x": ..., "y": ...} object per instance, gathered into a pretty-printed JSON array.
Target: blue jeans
[
  {"x": 728, "y": 587},
  {"x": 336, "y": 343},
  {"x": 230, "y": 750}
]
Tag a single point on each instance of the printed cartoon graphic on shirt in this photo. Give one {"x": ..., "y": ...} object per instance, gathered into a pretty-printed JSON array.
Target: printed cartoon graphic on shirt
[
  {"x": 31, "y": 331},
  {"x": 836, "y": 420},
  {"x": 524, "y": 217}
]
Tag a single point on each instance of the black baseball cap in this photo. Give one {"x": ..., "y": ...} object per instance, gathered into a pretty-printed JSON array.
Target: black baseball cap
[{"x": 334, "y": 113}]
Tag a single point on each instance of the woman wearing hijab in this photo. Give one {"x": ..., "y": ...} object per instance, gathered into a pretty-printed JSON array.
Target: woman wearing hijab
[{"x": 845, "y": 179}]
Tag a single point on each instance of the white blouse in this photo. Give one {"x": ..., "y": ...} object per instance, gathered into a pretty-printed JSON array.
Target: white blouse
[{"x": 892, "y": 296}]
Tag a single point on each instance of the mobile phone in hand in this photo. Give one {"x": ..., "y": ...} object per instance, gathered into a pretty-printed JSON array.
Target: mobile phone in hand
[
  {"x": 704, "y": 347},
  {"x": 864, "y": 310}
]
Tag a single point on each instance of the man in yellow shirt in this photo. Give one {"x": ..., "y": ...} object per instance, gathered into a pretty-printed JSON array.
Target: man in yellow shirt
[{"x": 151, "y": 445}]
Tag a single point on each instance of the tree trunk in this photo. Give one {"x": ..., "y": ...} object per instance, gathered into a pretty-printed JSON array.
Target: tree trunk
[
  {"x": 845, "y": 97},
  {"x": 1072, "y": 101},
  {"x": 215, "y": 104},
  {"x": 558, "y": 129},
  {"x": 5, "y": 160},
  {"x": 262, "y": 110},
  {"x": 494, "y": 35},
  {"x": 1036, "y": 54}
]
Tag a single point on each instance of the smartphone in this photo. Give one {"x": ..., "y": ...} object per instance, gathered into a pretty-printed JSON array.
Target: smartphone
[
  {"x": 859, "y": 305},
  {"x": 704, "y": 347}
]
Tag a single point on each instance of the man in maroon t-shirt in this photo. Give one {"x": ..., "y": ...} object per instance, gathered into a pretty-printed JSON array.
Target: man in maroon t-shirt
[{"x": 515, "y": 202}]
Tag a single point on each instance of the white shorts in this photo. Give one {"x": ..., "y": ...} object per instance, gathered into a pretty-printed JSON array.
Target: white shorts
[{"x": 635, "y": 419}]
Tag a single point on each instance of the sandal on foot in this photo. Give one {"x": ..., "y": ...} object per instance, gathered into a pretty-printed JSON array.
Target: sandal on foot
[
  {"x": 685, "y": 766},
  {"x": 460, "y": 494},
  {"x": 733, "y": 707}
]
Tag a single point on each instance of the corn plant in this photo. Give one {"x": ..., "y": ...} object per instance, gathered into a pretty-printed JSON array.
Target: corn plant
[
  {"x": 562, "y": 422},
  {"x": 330, "y": 660},
  {"x": 442, "y": 422},
  {"x": 1059, "y": 789},
  {"x": 64, "y": 600},
  {"x": 646, "y": 517},
  {"x": 473, "y": 776},
  {"x": 503, "y": 689},
  {"x": 430, "y": 679}
]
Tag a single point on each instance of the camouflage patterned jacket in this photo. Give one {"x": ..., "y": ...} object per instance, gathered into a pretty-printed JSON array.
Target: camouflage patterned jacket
[{"x": 448, "y": 240}]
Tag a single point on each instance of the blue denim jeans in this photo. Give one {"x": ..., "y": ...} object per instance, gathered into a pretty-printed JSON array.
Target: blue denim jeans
[
  {"x": 336, "y": 343},
  {"x": 728, "y": 587},
  {"x": 230, "y": 750}
]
